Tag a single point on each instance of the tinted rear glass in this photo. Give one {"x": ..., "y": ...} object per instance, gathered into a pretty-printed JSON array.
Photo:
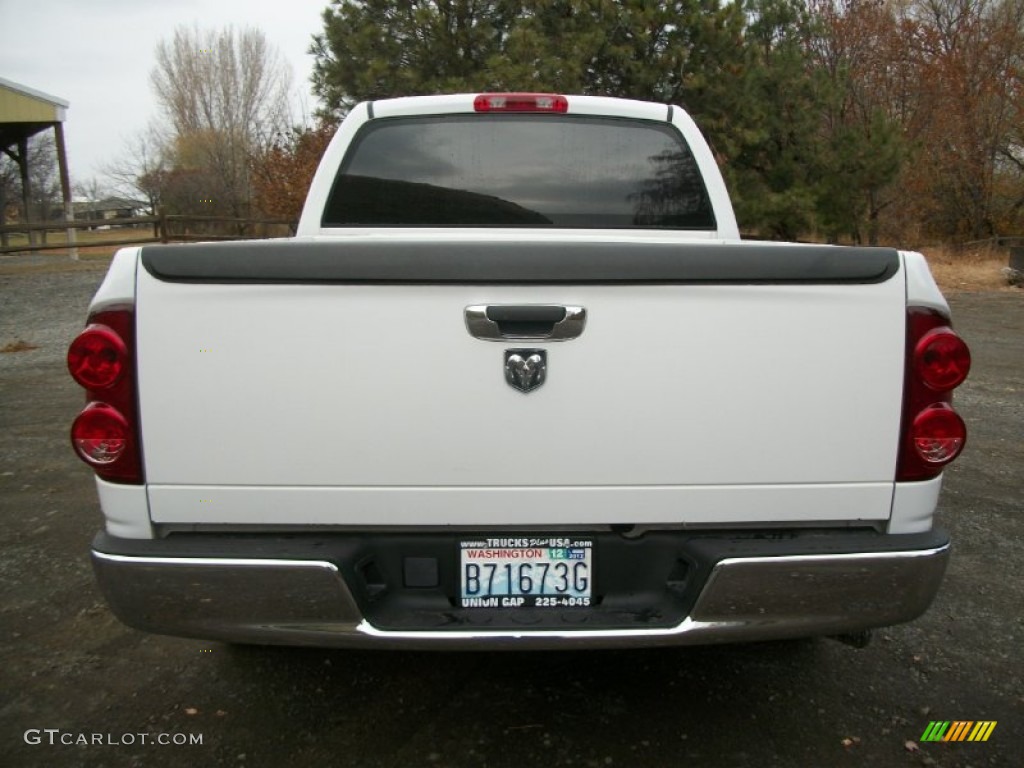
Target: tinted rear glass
[{"x": 519, "y": 170}]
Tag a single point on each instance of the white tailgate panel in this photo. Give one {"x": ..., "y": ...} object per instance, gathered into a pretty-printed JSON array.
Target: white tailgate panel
[{"x": 708, "y": 396}]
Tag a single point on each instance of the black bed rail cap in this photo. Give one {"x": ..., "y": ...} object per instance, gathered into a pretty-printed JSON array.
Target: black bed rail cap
[{"x": 511, "y": 262}]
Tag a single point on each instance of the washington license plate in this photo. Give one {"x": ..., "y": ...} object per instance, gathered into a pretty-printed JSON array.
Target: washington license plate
[{"x": 526, "y": 572}]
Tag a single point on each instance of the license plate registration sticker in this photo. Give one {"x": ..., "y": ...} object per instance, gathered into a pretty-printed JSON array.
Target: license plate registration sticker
[{"x": 526, "y": 573}]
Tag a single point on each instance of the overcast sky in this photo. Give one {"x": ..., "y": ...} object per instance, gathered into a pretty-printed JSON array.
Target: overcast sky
[{"x": 97, "y": 55}]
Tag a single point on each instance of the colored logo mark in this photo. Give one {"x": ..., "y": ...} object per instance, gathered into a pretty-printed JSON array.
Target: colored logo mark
[{"x": 958, "y": 730}]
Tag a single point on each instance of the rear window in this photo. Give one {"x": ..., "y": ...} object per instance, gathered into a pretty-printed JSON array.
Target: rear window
[{"x": 518, "y": 170}]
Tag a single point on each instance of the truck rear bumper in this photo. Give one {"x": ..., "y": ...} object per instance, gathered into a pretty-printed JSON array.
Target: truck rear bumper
[{"x": 762, "y": 589}]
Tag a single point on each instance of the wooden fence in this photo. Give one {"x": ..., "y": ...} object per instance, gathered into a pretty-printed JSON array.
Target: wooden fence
[{"x": 162, "y": 228}]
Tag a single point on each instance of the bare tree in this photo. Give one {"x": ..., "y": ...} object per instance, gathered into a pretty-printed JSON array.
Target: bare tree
[
  {"x": 225, "y": 94},
  {"x": 43, "y": 198},
  {"x": 972, "y": 81},
  {"x": 92, "y": 189},
  {"x": 141, "y": 170},
  {"x": 9, "y": 194},
  {"x": 44, "y": 178}
]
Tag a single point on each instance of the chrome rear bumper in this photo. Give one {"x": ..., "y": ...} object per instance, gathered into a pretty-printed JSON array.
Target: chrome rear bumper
[{"x": 307, "y": 602}]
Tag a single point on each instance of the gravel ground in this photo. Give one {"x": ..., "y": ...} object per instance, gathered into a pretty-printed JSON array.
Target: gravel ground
[{"x": 68, "y": 664}]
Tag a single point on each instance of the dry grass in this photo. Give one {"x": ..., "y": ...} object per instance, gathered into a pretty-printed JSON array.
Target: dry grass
[
  {"x": 86, "y": 236},
  {"x": 966, "y": 270},
  {"x": 17, "y": 346},
  {"x": 83, "y": 238}
]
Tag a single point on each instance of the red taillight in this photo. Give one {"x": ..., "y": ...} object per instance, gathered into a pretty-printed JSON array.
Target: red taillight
[
  {"x": 100, "y": 434},
  {"x": 938, "y": 434},
  {"x": 105, "y": 434},
  {"x": 942, "y": 359},
  {"x": 520, "y": 102},
  {"x": 938, "y": 361},
  {"x": 97, "y": 357}
]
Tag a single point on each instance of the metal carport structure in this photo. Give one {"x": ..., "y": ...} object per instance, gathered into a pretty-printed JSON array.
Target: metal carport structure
[{"x": 24, "y": 112}]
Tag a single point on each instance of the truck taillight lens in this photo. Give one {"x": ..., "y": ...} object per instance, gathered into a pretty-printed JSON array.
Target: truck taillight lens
[
  {"x": 105, "y": 434},
  {"x": 938, "y": 434},
  {"x": 938, "y": 361},
  {"x": 942, "y": 359},
  {"x": 520, "y": 102},
  {"x": 100, "y": 434},
  {"x": 97, "y": 357}
]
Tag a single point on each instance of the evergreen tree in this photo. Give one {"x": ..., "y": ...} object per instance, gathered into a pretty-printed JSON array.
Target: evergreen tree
[
  {"x": 781, "y": 88},
  {"x": 376, "y": 49}
]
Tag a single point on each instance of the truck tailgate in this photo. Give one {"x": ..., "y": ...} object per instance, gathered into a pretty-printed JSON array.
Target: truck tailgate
[{"x": 284, "y": 396}]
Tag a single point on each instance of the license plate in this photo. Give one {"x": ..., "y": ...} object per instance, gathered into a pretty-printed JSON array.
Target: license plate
[{"x": 526, "y": 573}]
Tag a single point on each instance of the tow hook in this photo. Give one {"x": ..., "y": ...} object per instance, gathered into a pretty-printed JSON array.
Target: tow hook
[{"x": 856, "y": 639}]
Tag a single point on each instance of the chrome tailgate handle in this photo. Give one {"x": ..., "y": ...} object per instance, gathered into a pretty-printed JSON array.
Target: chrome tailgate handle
[{"x": 525, "y": 322}]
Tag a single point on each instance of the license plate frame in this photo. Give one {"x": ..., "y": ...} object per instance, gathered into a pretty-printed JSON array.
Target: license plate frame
[{"x": 526, "y": 572}]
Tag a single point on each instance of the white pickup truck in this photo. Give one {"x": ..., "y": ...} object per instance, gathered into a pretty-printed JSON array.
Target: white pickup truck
[{"x": 517, "y": 382}]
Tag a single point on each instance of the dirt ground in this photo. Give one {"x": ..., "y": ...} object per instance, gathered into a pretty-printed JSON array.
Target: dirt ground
[{"x": 67, "y": 664}]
